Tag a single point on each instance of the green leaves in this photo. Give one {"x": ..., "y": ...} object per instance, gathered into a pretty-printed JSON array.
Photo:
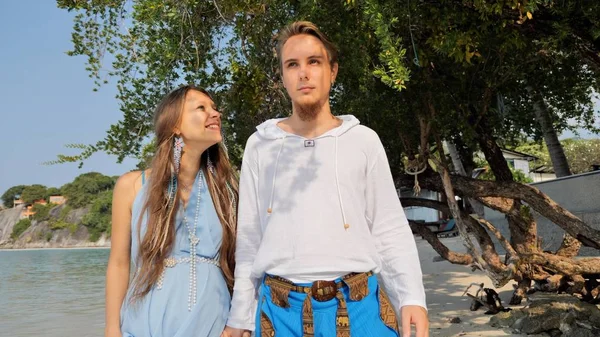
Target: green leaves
[
  {"x": 98, "y": 220},
  {"x": 454, "y": 63},
  {"x": 85, "y": 188},
  {"x": 19, "y": 228},
  {"x": 33, "y": 193},
  {"x": 392, "y": 72},
  {"x": 11, "y": 194}
]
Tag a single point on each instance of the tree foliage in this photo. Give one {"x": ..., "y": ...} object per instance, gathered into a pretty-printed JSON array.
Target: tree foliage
[
  {"x": 581, "y": 153},
  {"x": 20, "y": 227},
  {"x": 417, "y": 72},
  {"x": 86, "y": 188},
  {"x": 33, "y": 193},
  {"x": 98, "y": 219},
  {"x": 11, "y": 194}
]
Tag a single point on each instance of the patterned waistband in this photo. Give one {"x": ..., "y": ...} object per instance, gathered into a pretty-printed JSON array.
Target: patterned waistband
[
  {"x": 171, "y": 261},
  {"x": 324, "y": 291},
  {"x": 358, "y": 288}
]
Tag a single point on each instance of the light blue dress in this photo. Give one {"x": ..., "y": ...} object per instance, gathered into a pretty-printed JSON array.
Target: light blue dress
[{"x": 164, "y": 312}]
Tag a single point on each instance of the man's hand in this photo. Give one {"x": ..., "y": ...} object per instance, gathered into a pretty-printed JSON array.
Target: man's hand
[
  {"x": 231, "y": 332},
  {"x": 417, "y": 315}
]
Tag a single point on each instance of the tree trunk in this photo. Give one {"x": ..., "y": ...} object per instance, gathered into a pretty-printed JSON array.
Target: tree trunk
[
  {"x": 457, "y": 162},
  {"x": 543, "y": 115},
  {"x": 521, "y": 224},
  {"x": 570, "y": 246}
]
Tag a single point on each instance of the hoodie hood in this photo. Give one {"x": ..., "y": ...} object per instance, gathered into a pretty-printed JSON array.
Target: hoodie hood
[{"x": 270, "y": 130}]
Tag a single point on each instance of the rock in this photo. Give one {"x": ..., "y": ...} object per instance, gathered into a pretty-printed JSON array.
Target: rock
[
  {"x": 555, "y": 333},
  {"x": 506, "y": 319},
  {"x": 455, "y": 320},
  {"x": 580, "y": 332},
  {"x": 556, "y": 315}
]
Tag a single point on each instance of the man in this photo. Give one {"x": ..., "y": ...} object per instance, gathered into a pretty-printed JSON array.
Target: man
[{"x": 319, "y": 219}]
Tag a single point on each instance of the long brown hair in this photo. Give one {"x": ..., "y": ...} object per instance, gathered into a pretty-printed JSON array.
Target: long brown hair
[{"x": 159, "y": 238}]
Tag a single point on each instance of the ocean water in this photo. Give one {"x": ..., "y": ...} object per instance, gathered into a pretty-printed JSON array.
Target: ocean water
[{"x": 52, "y": 292}]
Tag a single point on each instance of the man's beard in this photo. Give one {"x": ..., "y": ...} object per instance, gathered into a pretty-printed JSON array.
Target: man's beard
[{"x": 308, "y": 112}]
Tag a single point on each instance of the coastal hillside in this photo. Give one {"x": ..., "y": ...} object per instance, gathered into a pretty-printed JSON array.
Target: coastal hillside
[{"x": 74, "y": 215}]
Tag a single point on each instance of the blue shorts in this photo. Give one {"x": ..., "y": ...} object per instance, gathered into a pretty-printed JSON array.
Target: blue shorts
[{"x": 369, "y": 316}]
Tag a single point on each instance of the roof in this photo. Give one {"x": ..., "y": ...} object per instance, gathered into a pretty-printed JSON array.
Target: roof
[
  {"x": 519, "y": 154},
  {"x": 542, "y": 169}
]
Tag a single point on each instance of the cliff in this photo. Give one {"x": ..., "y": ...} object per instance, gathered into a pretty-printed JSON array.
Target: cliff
[{"x": 61, "y": 230}]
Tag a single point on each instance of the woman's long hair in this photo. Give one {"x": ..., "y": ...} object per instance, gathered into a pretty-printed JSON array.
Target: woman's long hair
[{"x": 158, "y": 240}]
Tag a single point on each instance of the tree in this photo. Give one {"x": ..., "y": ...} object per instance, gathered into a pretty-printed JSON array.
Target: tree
[
  {"x": 33, "y": 193},
  {"x": 491, "y": 59},
  {"x": 98, "y": 220},
  {"x": 467, "y": 58},
  {"x": 581, "y": 153},
  {"x": 11, "y": 194},
  {"x": 42, "y": 212},
  {"x": 52, "y": 191},
  {"x": 86, "y": 188}
]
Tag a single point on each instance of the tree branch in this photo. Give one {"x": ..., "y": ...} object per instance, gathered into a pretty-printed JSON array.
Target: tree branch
[
  {"x": 537, "y": 200},
  {"x": 564, "y": 265},
  {"x": 439, "y": 247}
]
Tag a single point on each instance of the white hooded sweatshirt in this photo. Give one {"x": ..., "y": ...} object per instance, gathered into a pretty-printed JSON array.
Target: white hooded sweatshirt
[{"x": 296, "y": 195}]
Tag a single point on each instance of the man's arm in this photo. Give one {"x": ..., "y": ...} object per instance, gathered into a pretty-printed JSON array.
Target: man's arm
[
  {"x": 401, "y": 270},
  {"x": 249, "y": 235}
]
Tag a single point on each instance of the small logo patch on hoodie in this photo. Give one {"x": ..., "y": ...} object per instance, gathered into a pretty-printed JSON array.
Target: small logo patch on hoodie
[{"x": 309, "y": 143}]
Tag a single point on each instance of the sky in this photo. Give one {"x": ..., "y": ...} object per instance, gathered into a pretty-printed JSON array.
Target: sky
[{"x": 47, "y": 99}]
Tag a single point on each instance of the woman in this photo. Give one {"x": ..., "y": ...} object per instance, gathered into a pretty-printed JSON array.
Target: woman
[{"x": 176, "y": 223}]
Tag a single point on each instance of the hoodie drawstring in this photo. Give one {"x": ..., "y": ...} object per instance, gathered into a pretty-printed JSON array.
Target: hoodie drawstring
[
  {"x": 337, "y": 181},
  {"x": 270, "y": 209}
]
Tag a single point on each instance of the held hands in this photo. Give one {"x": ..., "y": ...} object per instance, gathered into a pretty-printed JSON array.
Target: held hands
[{"x": 231, "y": 332}]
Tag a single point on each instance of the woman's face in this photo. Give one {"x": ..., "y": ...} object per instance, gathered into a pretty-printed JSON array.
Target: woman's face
[{"x": 200, "y": 121}]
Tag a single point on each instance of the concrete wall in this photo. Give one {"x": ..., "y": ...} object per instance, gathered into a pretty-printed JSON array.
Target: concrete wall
[
  {"x": 580, "y": 194},
  {"x": 421, "y": 213}
]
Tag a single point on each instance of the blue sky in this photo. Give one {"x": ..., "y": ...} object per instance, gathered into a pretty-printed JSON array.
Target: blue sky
[{"x": 47, "y": 99}]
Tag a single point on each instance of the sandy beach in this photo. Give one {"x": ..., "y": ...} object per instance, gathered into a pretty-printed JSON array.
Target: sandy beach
[{"x": 444, "y": 286}]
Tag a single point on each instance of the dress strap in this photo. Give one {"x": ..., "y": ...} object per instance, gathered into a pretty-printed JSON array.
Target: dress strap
[{"x": 143, "y": 177}]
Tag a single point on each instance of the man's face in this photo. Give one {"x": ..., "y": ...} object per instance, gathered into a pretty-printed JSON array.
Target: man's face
[{"x": 307, "y": 74}]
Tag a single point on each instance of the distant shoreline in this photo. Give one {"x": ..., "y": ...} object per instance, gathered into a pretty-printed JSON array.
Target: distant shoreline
[{"x": 53, "y": 248}]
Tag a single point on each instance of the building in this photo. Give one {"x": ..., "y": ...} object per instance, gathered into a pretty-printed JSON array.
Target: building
[
  {"x": 518, "y": 160},
  {"x": 18, "y": 202},
  {"x": 57, "y": 199},
  {"x": 542, "y": 173}
]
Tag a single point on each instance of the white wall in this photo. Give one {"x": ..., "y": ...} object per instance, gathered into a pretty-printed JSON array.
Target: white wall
[
  {"x": 421, "y": 213},
  {"x": 522, "y": 165}
]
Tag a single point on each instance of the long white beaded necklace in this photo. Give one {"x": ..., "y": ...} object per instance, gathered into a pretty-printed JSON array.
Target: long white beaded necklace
[
  {"x": 193, "y": 242},
  {"x": 193, "y": 258}
]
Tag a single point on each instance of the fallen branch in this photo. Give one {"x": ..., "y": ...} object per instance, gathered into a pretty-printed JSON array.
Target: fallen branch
[
  {"x": 564, "y": 265},
  {"x": 541, "y": 203},
  {"x": 439, "y": 247}
]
